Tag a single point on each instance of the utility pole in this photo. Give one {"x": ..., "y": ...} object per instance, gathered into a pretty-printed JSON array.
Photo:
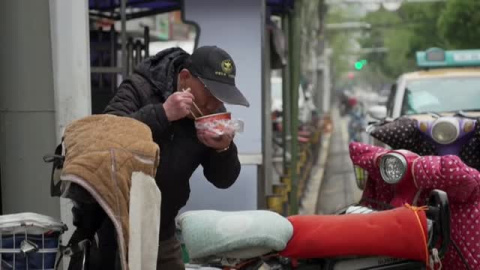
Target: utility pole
[{"x": 294, "y": 63}]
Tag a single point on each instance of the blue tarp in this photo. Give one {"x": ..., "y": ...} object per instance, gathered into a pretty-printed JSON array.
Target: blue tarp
[{"x": 110, "y": 8}]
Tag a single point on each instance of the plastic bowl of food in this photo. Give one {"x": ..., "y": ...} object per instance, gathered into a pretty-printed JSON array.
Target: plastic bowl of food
[{"x": 217, "y": 122}]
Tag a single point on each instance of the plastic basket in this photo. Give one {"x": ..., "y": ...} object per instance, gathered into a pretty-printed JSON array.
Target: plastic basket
[{"x": 29, "y": 241}]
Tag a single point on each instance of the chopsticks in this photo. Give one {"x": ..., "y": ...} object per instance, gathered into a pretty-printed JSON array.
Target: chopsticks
[
  {"x": 196, "y": 107},
  {"x": 194, "y": 117}
]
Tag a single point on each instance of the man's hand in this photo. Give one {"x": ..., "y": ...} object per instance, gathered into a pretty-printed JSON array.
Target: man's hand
[
  {"x": 178, "y": 105},
  {"x": 215, "y": 141}
]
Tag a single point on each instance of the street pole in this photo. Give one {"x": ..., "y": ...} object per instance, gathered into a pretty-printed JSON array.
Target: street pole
[
  {"x": 123, "y": 36},
  {"x": 327, "y": 85},
  {"x": 294, "y": 61},
  {"x": 286, "y": 104}
]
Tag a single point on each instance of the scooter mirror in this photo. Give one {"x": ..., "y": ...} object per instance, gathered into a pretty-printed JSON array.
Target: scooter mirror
[{"x": 378, "y": 112}]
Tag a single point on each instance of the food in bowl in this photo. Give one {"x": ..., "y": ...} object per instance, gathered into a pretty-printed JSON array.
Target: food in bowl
[{"x": 217, "y": 122}]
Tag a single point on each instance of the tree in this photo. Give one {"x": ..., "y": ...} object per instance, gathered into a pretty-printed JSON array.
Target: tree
[
  {"x": 460, "y": 24},
  {"x": 421, "y": 19},
  {"x": 453, "y": 24},
  {"x": 412, "y": 28},
  {"x": 387, "y": 33},
  {"x": 340, "y": 42}
]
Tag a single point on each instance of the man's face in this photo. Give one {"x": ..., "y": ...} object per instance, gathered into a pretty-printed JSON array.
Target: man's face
[{"x": 206, "y": 102}]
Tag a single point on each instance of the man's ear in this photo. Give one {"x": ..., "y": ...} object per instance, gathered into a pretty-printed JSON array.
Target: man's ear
[{"x": 184, "y": 74}]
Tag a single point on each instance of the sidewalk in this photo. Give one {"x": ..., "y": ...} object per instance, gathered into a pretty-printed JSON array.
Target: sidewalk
[
  {"x": 338, "y": 188},
  {"x": 308, "y": 204},
  {"x": 332, "y": 185}
]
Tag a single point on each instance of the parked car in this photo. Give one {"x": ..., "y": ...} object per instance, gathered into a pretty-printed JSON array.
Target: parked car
[{"x": 449, "y": 82}]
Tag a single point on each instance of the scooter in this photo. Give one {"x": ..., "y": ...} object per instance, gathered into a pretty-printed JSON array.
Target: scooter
[
  {"x": 433, "y": 134},
  {"x": 356, "y": 123},
  {"x": 396, "y": 177},
  {"x": 265, "y": 240},
  {"x": 427, "y": 134}
]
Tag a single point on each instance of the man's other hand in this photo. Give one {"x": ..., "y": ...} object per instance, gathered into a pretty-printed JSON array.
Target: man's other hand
[
  {"x": 178, "y": 105},
  {"x": 215, "y": 141}
]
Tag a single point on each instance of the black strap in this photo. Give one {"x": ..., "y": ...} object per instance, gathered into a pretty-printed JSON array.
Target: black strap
[
  {"x": 73, "y": 249},
  {"x": 57, "y": 159}
]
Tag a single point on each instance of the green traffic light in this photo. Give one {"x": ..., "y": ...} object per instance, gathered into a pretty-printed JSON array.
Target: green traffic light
[{"x": 360, "y": 64}]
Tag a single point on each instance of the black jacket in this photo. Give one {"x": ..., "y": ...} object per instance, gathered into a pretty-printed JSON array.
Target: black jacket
[{"x": 141, "y": 97}]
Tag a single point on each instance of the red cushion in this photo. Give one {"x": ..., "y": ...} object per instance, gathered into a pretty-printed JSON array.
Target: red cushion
[{"x": 394, "y": 233}]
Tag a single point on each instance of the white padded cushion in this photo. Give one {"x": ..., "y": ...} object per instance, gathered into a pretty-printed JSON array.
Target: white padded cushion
[
  {"x": 238, "y": 235},
  {"x": 144, "y": 220}
]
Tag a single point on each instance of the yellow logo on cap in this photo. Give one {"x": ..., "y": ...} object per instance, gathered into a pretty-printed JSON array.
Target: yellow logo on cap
[{"x": 227, "y": 66}]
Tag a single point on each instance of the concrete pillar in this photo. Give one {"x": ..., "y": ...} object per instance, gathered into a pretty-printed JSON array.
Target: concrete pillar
[
  {"x": 71, "y": 73},
  {"x": 27, "y": 109},
  {"x": 44, "y": 85},
  {"x": 71, "y": 61}
]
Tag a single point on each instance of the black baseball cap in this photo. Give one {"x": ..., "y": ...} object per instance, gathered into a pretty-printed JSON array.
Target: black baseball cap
[{"x": 216, "y": 69}]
